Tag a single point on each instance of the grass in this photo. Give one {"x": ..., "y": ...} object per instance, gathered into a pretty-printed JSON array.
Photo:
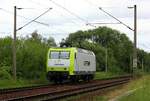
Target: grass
[
  {"x": 100, "y": 98},
  {"x": 20, "y": 83},
  {"x": 141, "y": 94},
  {"x": 103, "y": 75}
]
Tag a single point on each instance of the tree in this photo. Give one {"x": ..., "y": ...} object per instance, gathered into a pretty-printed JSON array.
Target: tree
[
  {"x": 118, "y": 44},
  {"x": 31, "y": 55}
]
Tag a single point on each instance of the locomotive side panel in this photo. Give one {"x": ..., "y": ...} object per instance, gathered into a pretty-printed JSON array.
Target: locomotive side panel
[{"x": 85, "y": 62}]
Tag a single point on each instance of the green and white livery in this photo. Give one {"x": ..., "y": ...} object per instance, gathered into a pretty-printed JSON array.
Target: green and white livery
[{"x": 70, "y": 63}]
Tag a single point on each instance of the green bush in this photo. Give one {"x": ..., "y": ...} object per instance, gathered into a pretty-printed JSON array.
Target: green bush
[
  {"x": 30, "y": 54},
  {"x": 5, "y": 72}
]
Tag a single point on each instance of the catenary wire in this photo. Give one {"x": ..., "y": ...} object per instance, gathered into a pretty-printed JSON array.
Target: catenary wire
[
  {"x": 34, "y": 19},
  {"x": 6, "y": 11},
  {"x": 72, "y": 13}
]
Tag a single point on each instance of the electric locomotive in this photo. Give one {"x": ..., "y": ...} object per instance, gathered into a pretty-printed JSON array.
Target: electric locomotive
[{"x": 72, "y": 64}]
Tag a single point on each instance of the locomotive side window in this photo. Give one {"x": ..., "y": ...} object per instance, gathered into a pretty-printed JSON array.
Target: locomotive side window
[
  {"x": 64, "y": 55},
  {"x": 54, "y": 55},
  {"x": 75, "y": 55}
]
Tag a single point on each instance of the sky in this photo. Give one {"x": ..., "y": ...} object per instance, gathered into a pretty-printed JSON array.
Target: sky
[{"x": 68, "y": 16}]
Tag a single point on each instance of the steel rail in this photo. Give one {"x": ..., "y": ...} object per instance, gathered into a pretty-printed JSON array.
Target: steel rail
[{"x": 51, "y": 93}]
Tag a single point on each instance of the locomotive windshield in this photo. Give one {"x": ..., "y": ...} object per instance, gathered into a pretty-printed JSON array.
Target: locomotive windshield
[
  {"x": 54, "y": 55},
  {"x": 59, "y": 55},
  {"x": 64, "y": 55}
]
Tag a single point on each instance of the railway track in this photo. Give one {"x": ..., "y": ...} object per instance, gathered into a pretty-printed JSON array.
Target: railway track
[{"x": 53, "y": 92}]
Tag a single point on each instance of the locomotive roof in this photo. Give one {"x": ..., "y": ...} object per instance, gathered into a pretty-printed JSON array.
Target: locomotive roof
[{"x": 69, "y": 48}]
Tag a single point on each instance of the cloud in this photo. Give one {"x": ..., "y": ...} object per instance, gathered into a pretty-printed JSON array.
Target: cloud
[{"x": 62, "y": 22}]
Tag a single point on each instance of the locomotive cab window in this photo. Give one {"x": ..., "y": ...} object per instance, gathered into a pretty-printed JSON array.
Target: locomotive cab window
[
  {"x": 54, "y": 55},
  {"x": 59, "y": 55},
  {"x": 64, "y": 55}
]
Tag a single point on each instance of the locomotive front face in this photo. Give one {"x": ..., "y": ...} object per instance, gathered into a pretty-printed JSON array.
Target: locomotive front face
[{"x": 59, "y": 60}]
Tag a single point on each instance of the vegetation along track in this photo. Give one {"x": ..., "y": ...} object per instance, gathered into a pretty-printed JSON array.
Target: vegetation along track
[{"x": 53, "y": 92}]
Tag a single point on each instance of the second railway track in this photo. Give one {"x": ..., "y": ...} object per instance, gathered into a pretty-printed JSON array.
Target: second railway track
[{"x": 53, "y": 92}]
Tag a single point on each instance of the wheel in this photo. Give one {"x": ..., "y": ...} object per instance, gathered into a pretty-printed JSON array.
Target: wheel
[
  {"x": 48, "y": 77},
  {"x": 74, "y": 79},
  {"x": 84, "y": 77},
  {"x": 60, "y": 80}
]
